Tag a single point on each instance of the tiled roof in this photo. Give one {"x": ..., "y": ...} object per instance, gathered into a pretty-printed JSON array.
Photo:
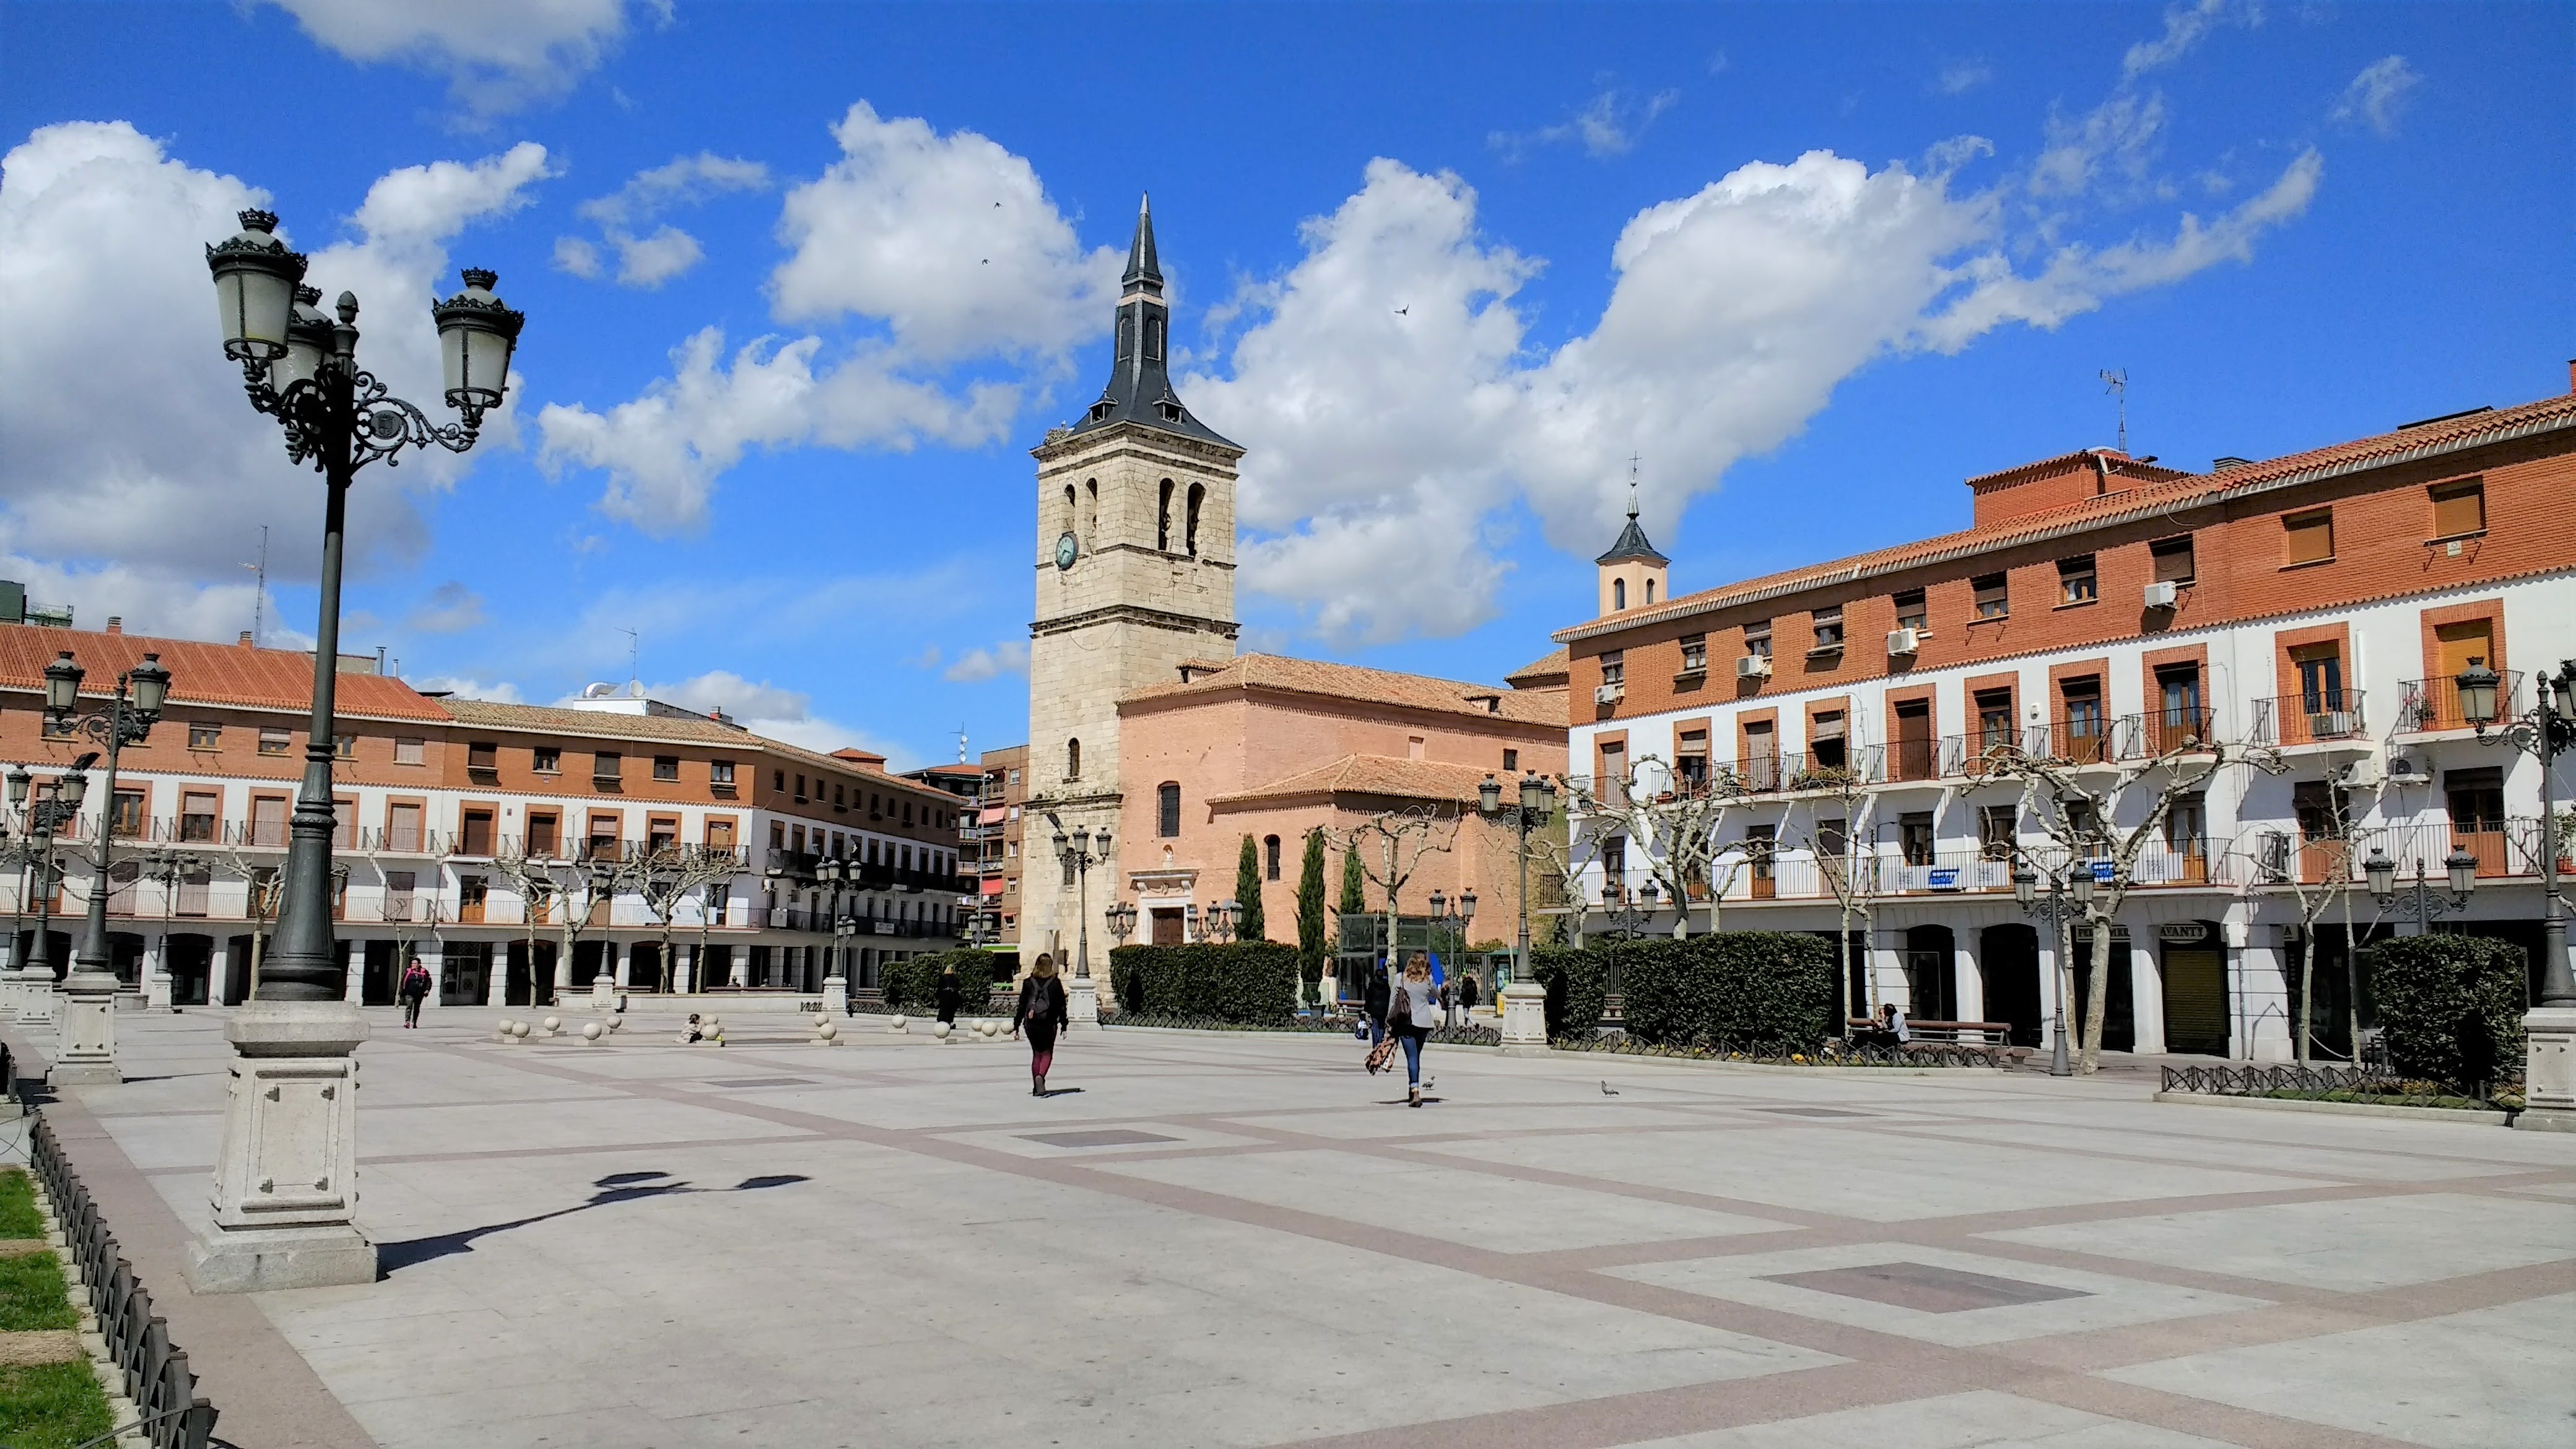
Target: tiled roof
[
  {"x": 609, "y": 725},
  {"x": 1279, "y": 674},
  {"x": 1384, "y": 776},
  {"x": 201, "y": 673},
  {"x": 2406, "y": 444},
  {"x": 1540, "y": 673}
]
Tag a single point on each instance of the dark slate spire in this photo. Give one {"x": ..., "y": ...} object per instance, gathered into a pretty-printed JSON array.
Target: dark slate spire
[
  {"x": 1143, "y": 273},
  {"x": 1632, "y": 540},
  {"x": 1140, "y": 387}
]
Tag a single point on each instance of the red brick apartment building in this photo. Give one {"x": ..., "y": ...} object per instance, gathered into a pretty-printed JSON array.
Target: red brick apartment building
[{"x": 2103, "y": 608}]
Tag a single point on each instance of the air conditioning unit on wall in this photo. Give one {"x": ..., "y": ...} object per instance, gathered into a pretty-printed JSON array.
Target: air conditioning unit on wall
[
  {"x": 1904, "y": 641},
  {"x": 1608, "y": 693},
  {"x": 1753, "y": 666},
  {"x": 2162, "y": 595}
]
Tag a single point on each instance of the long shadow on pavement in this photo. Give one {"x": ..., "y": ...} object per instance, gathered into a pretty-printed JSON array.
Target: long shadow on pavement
[{"x": 616, "y": 1187}]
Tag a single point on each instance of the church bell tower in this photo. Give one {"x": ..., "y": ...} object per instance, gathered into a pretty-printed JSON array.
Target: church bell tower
[{"x": 1135, "y": 577}]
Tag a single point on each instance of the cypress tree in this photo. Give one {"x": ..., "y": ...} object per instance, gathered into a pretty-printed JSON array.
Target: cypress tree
[
  {"x": 1310, "y": 909},
  {"x": 1247, "y": 891}
]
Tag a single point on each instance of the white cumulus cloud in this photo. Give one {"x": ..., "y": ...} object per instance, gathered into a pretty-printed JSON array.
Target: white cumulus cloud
[
  {"x": 2377, "y": 94},
  {"x": 497, "y": 55},
  {"x": 104, "y": 302},
  {"x": 652, "y": 258},
  {"x": 1383, "y": 445},
  {"x": 948, "y": 243},
  {"x": 764, "y": 709},
  {"x": 1011, "y": 656}
]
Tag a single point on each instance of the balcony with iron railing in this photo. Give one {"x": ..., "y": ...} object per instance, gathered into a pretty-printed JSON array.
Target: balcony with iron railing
[
  {"x": 2431, "y": 706},
  {"x": 2327, "y": 717}
]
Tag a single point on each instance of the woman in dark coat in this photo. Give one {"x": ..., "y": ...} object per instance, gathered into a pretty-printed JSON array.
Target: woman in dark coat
[
  {"x": 949, "y": 995},
  {"x": 1042, "y": 1011},
  {"x": 1373, "y": 1001}
]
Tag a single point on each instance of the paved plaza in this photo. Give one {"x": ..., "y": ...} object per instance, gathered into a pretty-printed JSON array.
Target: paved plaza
[{"x": 1240, "y": 1240}]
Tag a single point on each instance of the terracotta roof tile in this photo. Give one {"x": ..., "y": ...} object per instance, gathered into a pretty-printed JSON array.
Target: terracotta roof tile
[
  {"x": 609, "y": 725},
  {"x": 1376, "y": 775},
  {"x": 1548, "y": 669},
  {"x": 2438, "y": 436},
  {"x": 1277, "y": 673},
  {"x": 202, "y": 673}
]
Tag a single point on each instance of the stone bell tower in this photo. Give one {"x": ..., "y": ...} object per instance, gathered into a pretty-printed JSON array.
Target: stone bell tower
[{"x": 1135, "y": 576}]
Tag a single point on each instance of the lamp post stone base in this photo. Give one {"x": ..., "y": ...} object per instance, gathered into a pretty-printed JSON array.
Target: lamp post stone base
[
  {"x": 85, "y": 1049},
  {"x": 286, "y": 1177},
  {"x": 1524, "y": 1019},
  {"x": 2549, "y": 1070},
  {"x": 1082, "y": 1001}
]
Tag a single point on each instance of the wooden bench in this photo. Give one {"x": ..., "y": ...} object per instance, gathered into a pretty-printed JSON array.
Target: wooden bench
[{"x": 1991, "y": 1039}]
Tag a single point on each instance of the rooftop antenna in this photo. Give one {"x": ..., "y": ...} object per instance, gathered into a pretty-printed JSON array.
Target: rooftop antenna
[
  {"x": 634, "y": 676},
  {"x": 259, "y": 596},
  {"x": 961, "y": 744},
  {"x": 2116, "y": 382}
]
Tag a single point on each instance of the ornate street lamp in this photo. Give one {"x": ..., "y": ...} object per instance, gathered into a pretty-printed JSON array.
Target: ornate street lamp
[
  {"x": 2421, "y": 903},
  {"x": 2057, "y": 910},
  {"x": 285, "y": 1182},
  {"x": 1523, "y": 1000},
  {"x": 1121, "y": 919},
  {"x": 47, "y": 807},
  {"x": 1078, "y": 853},
  {"x": 2546, "y": 731},
  {"x": 86, "y": 1051}
]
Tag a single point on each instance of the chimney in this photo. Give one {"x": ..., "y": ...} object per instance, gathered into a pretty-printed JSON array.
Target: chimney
[
  {"x": 115, "y": 625},
  {"x": 2571, "y": 374},
  {"x": 245, "y": 639}
]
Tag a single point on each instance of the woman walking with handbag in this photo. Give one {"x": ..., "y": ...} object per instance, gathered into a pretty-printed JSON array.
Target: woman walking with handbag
[
  {"x": 1042, "y": 1011},
  {"x": 1412, "y": 1012},
  {"x": 948, "y": 996}
]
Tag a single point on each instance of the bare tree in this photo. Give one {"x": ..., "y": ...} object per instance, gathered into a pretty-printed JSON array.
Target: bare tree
[
  {"x": 533, "y": 877},
  {"x": 2081, "y": 820},
  {"x": 668, "y": 876},
  {"x": 1675, "y": 820},
  {"x": 1846, "y": 855},
  {"x": 1399, "y": 839},
  {"x": 262, "y": 887},
  {"x": 1565, "y": 855}
]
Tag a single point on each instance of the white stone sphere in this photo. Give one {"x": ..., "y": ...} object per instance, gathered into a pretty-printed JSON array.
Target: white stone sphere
[
  {"x": 940, "y": 1031},
  {"x": 826, "y": 1030},
  {"x": 822, "y": 1018},
  {"x": 615, "y": 1022},
  {"x": 519, "y": 1030},
  {"x": 992, "y": 1028},
  {"x": 592, "y": 1031},
  {"x": 896, "y": 1024},
  {"x": 553, "y": 1024}
]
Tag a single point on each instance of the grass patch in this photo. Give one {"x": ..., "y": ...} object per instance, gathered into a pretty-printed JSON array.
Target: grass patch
[
  {"x": 18, "y": 1215},
  {"x": 51, "y": 1406},
  {"x": 32, "y": 1296}
]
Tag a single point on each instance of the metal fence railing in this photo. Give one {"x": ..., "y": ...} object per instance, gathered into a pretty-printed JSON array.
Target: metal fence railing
[{"x": 171, "y": 1413}]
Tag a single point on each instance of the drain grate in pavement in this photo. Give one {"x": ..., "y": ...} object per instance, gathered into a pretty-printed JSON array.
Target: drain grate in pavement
[
  {"x": 1812, "y": 1112},
  {"x": 1925, "y": 1288},
  {"x": 1097, "y": 1137},
  {"x": 759, "y": 1082}
]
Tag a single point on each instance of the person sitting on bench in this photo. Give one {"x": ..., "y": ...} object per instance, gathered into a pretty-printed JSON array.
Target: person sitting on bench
[{"x": 1888, "y": 1029}]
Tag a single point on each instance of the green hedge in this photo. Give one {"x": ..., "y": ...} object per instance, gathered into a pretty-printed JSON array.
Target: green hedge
[
  {"x": 1736, "y": 988},
  {"x": 914, "y": 985},
  {"x": 1248, "y": 981},
  {"x": 1578, "y": 988},
  {"x": 2451, "y": 1005}
]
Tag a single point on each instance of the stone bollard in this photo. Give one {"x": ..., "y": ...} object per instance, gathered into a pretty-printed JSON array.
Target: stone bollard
[
  {"x": 554, "y": 1026},
  {"x": 898, "y": 1025},
  {"x": 826, "y": 1032},
  {"x": 503, "y": 1030},
  {"x": 518, "y": 1031},
  {"x": 592, "y": 1031},
  {"x": 942, "y": 1031}
]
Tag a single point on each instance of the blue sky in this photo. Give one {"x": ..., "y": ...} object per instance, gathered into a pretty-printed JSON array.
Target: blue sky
[{"x": 1444, "y": 267}]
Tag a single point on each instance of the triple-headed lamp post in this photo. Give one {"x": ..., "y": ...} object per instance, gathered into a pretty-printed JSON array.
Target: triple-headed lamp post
[
  {"x": 85, "y": 1050},
  {"x": 48, "y": 807},
  {"x": 1523, "y": 1000},
  {"x": 286, "y": 1177},
  {"x": 2546, "y": 731},
  {"x": 1078, "y": 853}
]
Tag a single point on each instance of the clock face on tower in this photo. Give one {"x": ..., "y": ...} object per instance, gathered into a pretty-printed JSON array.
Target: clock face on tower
[{"x": 1065, "y": 549}]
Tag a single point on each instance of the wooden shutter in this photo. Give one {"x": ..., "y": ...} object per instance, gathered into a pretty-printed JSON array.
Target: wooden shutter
[
  {"x": 2460, "y": 508},
  {"x": 2308, "y": 537},
  {"x": 2464, "y": 644}
]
